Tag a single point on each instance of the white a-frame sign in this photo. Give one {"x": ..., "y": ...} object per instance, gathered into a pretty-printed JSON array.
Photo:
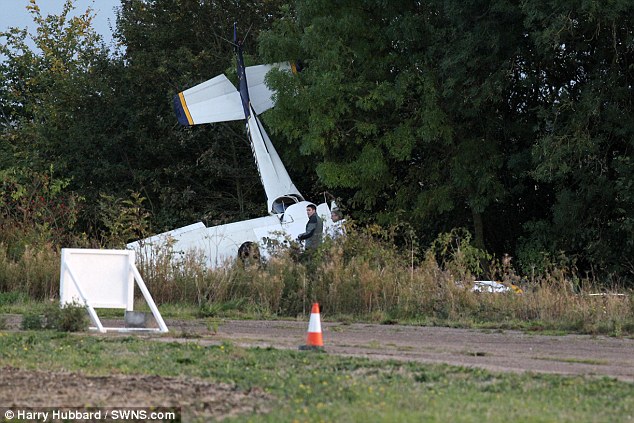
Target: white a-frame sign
[{"x": 103, "y": 279}]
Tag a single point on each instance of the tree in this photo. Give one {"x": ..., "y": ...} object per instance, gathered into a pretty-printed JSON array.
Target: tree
[
  {"x": 583, "y": 63},
  {"x": 104, "y": 119},
  {"x": 47, "y": 95},
  {"x": 509, "y": 119},
  {"x": 39, "y": 88},
  {"x": 400, "y": 104},
  {"x": 200, "y": 173}
]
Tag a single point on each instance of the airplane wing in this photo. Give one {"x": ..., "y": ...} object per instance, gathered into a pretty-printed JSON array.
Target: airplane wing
[{"x": 215, "y": 100}]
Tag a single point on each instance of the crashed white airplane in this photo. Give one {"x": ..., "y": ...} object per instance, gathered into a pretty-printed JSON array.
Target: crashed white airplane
[{"x": 217, "y": 100}]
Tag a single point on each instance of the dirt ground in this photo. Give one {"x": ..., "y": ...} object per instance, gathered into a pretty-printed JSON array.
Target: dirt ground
[
  {"x": 501, "y": 351},
  {"x": 24, "y": 389}
]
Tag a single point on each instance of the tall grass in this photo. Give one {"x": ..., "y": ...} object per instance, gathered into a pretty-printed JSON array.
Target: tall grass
[
  {"x": 367, "y": 277},
  {"x": 363, "y": 277},
  {"x": 35, "y": 273}
]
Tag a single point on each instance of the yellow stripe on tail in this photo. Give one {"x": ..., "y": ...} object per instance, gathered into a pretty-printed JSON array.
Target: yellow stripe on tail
[{"x": 184, "y": 104}]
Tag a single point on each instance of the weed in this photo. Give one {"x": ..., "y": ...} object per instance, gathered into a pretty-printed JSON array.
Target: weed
[
  {"x": 124, "y": 219},
  {"x": 69, "y": 318},
  {"x": 12, "y": 297},
  {"x": 213, "y": 325},
  {"x": 32, "y": 321}
]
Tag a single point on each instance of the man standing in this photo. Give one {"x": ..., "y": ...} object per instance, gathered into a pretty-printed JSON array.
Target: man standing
[
  {"x": 337, "y": 229},
  {"x": 314, "y": 229}
]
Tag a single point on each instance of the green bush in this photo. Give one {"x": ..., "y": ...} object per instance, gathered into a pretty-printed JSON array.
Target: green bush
[
  {"x": 32, "y": 321},
  {"x": 12, "y": 297},
  {"x": 69, "y": 318},
  {"x": 36, "y": 209}
]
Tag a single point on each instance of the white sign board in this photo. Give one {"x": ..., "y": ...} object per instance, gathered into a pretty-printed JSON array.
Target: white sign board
[{"x": 103, "y": 279}]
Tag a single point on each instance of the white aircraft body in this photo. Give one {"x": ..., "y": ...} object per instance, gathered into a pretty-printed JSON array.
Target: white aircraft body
[{"x": 217, "y": 100}]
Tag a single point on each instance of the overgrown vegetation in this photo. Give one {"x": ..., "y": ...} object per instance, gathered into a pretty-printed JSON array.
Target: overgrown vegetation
[
  {"x": 365, "y": 276},
  {"x": 414, "y": 143}
]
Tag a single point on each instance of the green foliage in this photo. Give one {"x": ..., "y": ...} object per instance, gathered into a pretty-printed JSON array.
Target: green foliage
[
  {"x": 514, "y": 124},
  {"x": 12, "y": 297},
  {"x": 371, "y": 113},
  {"x": 47, "y": 95},
  {"x": 124, "y": 220},
  {"x": 204, "y": 173},
  {"x": 104, "y": 120},
  {"x": 36, "y": 209},
  {"x": 510, "y": 120},
  {"x": 32, "y": 321},
  {"x": 454, "y": 252},
  {"x": 43, "y": 90},
  {"x": 69, "y": 318}
]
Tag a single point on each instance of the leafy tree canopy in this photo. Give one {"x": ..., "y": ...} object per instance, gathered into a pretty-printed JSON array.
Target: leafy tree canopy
[{"x": 508, "y": 119}]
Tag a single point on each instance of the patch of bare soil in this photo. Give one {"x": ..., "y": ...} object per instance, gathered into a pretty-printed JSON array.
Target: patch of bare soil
[{"x": 205, "y": 401}]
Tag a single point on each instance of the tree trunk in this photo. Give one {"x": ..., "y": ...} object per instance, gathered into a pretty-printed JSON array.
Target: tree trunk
[{"x": 478, "y": 225}]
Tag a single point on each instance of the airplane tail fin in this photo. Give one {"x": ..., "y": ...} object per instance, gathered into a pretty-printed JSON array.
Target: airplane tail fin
[
  {"x": 261, "y": 95},
  {"x": 217, "y": 100}
]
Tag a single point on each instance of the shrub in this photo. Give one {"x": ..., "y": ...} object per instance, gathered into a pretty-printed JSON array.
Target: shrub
[
  {"x": 32, "y": 321},
  {"x": 69, "y": 318},
  {"x": 123, "y": 220},
  {"x": 12, "y": 297},
  {"x": 35, "y": 210}
]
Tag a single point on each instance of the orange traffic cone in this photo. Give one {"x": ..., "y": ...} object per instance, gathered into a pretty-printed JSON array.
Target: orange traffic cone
[{"x": 314, "y": 340}]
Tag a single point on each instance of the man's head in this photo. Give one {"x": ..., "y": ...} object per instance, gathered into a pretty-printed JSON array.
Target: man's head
[
  {"x": 336, "y": 215},
  {"x": 311, "y": 209}
]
